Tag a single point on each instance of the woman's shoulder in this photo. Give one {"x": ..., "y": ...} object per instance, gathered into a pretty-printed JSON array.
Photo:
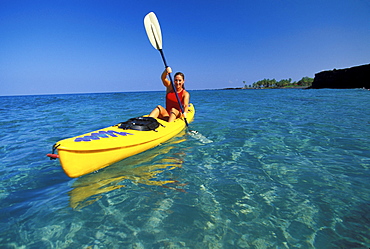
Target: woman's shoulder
[
  {"x": 169, "y": 89},
  {"x": 185, "y": 94}
]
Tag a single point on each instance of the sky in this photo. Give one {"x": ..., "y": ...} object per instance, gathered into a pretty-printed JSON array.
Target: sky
[{"x": 93, "y": 46}]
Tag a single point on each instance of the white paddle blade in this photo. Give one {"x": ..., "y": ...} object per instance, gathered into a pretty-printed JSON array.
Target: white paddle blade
[{"x": 153, "y": 30}]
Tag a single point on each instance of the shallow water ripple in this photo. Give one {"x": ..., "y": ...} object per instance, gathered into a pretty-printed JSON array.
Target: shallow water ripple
[{"x": 267, "y": 169}]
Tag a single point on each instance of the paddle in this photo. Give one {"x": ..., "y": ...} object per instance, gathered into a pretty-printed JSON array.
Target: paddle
[{"x": 153, "y": 30}]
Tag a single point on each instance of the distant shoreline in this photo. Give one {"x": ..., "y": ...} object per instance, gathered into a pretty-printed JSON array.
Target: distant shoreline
[{"x": 264, "y": 88}]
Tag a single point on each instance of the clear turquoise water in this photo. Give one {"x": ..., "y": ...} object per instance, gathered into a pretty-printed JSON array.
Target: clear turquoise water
[{"x": 269, "y": 169}]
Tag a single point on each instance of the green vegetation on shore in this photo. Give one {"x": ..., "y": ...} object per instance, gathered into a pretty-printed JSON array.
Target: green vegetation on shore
[{"x": 284, "y": 83}]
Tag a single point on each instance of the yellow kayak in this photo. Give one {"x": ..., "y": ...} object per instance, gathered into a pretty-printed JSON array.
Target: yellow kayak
[{"x": 92, "y": 151}]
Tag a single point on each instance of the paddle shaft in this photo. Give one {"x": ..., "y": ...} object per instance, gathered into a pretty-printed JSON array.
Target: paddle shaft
[{"x": 173, "y": 87}]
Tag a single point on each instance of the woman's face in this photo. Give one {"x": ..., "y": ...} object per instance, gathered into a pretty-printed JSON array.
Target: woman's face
[{"x": 179, "y": 82}]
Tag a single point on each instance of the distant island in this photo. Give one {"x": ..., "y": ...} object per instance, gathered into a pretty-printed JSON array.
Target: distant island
[
  {"x": 284, "y": 83},
  {"x": 353, "y": 77},
  {"x": 273, "y": 83}
]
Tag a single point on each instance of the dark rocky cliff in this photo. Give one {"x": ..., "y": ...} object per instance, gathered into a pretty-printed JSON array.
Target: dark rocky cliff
[{"x": 354, "y": 77}]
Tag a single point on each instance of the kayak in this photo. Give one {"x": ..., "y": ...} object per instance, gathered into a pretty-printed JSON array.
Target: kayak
[{"x": 95, "y": 150}]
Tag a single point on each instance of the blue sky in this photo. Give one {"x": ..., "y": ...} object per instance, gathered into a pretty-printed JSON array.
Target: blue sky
[{"x": 52, "y": 47}]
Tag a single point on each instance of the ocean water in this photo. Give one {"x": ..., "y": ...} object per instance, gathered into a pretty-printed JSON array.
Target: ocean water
[{"x": 268, "y": 169}]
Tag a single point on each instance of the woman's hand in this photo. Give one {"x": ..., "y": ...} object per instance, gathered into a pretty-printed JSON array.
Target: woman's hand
[{"x": 168, "y": 70}]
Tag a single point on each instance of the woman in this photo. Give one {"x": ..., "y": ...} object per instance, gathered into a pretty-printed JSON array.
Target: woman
[{"x": 172, "y": 110}]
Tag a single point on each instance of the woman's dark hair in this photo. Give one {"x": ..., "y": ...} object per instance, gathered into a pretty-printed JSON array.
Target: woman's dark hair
[{"x": 181, "y": 74}]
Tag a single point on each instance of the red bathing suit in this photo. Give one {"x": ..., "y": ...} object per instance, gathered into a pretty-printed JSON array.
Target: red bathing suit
[{"x": 171, "y": 101}]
